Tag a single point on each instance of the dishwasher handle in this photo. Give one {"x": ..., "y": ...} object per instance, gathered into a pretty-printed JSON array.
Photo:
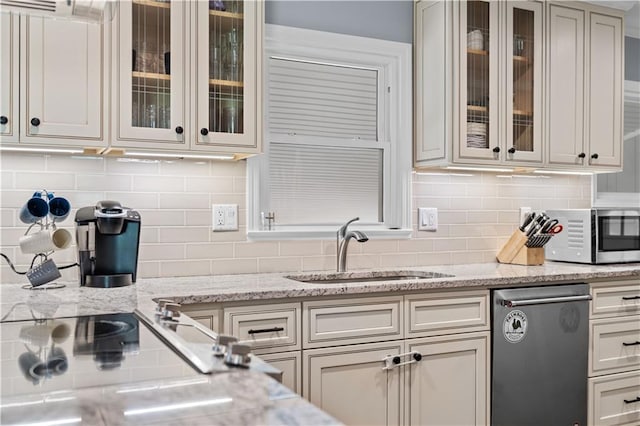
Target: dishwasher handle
[{"x": 545, "y": 300}]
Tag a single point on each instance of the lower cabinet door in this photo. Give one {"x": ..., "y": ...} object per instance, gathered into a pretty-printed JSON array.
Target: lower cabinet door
[
  {"x": 449, "y": 385},
  {"x": 290, "y": 365},
  {"x": 350, "y": 383}
]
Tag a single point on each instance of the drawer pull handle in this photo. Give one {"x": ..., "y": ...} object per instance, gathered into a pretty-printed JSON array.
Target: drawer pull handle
[
  {"x": 630, "y": 297},
  {"x": 266, "y": 330},
  {"x": 631, "y": 401},
  {"x": 631, "y": 344}
]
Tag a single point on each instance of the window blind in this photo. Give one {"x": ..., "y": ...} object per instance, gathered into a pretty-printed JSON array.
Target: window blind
[
  {"x": 322, "y": 100},
  {"x": 325, "y": 184}
]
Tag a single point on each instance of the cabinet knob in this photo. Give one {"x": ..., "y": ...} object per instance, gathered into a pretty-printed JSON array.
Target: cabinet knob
[
  {"x": 512, "y": 150},
  {"x": 204, "y": 131},
  {"x": 582, "y": 155},
  {"x": 179, "y": 130},
  {"x": 417, "y": 356},
  {"x": 35, "y": 121},
  {"x": 396, "y": 360},
  {"x": 496, "y": 149},
  {"x": 594, "y": 156},
  {"x": 4, "y": 120}
]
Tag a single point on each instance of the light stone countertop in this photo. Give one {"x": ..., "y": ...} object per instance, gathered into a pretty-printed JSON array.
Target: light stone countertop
[
  {"x": 274, "y": 404},
  {"x": 19, "y": 304}
]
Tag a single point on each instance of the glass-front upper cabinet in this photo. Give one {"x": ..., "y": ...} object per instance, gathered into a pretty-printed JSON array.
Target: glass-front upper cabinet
[
  {"x": 524, "y": 81},
  {"x": 500, "y": 82},
  {"x": 479, "y": 56},
  {"x": 150, "y": 81},
  {"x": 228, "y": 44}
]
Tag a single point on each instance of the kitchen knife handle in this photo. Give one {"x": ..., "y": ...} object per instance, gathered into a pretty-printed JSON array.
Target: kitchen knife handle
[{"x": 266, "y": 330}]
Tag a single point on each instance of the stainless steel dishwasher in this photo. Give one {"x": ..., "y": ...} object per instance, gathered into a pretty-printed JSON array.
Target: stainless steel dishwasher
[{"x": 540, "y": 343}]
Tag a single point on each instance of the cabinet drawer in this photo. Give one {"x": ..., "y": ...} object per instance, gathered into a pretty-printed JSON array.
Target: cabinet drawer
[
  {"x": 440, "y": 313},
  {"x": 613, "y": 400},
  {"x": 615, "y": 345},
  {"x": 267, "y": 328},
  {"x": 327, "y": 323},
  {"x": 623, "y": 299}
]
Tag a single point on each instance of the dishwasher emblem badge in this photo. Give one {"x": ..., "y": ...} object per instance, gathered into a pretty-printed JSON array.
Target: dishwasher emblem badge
[{"x": 514, "y": 326}]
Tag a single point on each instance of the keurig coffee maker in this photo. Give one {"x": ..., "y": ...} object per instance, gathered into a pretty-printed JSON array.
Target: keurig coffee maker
[{"x": 108, "y": 237}]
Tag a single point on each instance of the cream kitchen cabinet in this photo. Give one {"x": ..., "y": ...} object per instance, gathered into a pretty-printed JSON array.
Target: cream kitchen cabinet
[
  {"x": 614, "y": 353},
  {"x": 54, "y": 92},
  {"x": 442, "y": 379},
  {"x": 584, "y": 87},
  {"x": 478, "y": 83},
  {"x": 187, "y": 75}
]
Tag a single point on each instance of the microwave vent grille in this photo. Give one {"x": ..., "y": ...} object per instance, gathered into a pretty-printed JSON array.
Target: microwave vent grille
[{"x": 575, "y": 234}]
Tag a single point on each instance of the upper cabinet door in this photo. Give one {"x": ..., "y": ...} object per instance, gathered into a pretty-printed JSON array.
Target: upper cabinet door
[
  {"x": 62, "y": 81},
  {"x": 479, "y": 61},
  {"x": 524, "y": 81},
  {"x": 565, "y": 86},
  {"x": 604, "y": 117},
  {"x": 149, "y": 64},
  {"x": 9, "y": 34},
  {"x": 228, "y": 56}
]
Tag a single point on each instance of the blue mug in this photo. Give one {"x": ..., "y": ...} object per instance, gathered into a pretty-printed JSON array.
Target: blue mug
[
  {"x": 59, "y": 208},
  {"x": 35, "y": 209}
]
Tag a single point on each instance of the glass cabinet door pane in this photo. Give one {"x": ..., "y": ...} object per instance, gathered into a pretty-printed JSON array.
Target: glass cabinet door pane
[
  {"x": 151, "y": 64},
  {"x": 523, "y": 79},
  {"x": 478, "y": 55},
  {"x": 226, "y": 76}
]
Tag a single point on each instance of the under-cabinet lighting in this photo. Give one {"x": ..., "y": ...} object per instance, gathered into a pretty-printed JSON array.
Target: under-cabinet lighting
[
  {"x": 480, "y": 169},
  {"x": 56, "y": 422},
  {"x": 185, "y": 156},
  {"x": 441, "y": 174},
  {"x": 563, "y": 172},
  {"x": 42, "y": 150}
]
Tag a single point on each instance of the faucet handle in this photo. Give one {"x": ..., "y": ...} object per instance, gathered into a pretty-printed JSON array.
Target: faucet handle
[{"x": 343, "y": 229}]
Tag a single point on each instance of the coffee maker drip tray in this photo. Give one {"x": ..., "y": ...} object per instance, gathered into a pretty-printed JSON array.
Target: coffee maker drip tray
[{"x": 108, "y": 281}]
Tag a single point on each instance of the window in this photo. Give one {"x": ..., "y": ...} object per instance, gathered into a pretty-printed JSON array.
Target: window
[{"x": 337, "y": 136}]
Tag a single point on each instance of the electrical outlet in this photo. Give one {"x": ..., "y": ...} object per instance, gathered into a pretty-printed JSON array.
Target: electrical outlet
[
  {"x": 427, "y": 219},
  {"x": 524, "y": 211},
  {"x": 225, "y": 217}
]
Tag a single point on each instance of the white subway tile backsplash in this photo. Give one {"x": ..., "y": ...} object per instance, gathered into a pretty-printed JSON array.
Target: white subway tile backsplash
[{"x": 477, "y": 214}]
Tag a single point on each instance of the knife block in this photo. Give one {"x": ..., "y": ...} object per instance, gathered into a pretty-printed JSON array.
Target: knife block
[{"x": 515, "y": 252}]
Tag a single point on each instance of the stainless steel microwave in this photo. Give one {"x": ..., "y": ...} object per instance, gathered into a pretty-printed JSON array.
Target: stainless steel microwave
[{"x": 596, "y": 236}]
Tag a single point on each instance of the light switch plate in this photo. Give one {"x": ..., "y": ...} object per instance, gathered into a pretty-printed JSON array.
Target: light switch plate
[
  {"x": 427, "y": 219},
  {"x": 224, "y": 217}
]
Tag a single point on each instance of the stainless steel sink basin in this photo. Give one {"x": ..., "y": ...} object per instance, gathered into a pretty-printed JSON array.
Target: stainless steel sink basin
[{"x": 366, "y": 276}]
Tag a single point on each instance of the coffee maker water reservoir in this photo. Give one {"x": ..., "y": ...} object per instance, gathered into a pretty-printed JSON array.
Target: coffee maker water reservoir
[{"x": 108, "y": 237}]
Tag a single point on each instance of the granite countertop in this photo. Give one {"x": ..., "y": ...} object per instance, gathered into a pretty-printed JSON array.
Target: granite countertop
[
  {"x": 255, "y": 398},
  {"x": 72, "y": 300}
]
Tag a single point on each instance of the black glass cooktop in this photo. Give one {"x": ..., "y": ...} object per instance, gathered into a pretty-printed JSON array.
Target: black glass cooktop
[{"x": 73, "y": 353}]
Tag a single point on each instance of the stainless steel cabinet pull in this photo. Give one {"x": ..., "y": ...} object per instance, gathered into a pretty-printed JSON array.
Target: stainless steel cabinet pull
[
  {"x": 266, "y": 330},
  {"x": 631, "y": 401},
  {"x": 630, "y": 344},
  {"x": 393, "y": 361},
  {"x": 542, "y": 301},
  {"x": 630, "y": 297}
]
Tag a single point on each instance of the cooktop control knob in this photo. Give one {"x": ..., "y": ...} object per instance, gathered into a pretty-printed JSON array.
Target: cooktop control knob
[
  {"x": 170, "y": 311},
  {"x": 222, "y": 343},
  {"x": 160, "y": 305},
  {"x": 238, "y": 355}
]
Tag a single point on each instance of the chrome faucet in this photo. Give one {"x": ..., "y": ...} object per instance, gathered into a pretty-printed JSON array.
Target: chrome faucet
[{"x": 343, "y": 242}]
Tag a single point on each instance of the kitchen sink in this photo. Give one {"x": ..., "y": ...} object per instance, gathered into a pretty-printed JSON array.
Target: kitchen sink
[{"x": 365, "y": 277}]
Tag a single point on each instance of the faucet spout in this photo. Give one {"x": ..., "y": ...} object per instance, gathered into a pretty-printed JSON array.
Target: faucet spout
[{"x": 343, "y": 238}]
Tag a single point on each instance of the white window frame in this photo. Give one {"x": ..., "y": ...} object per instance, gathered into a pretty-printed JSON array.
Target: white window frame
[{"x": 393, "y": 60}]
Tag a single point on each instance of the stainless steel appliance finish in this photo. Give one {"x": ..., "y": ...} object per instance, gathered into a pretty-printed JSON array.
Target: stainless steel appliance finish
[
  {"x": 540, "y": 355},
  {"x": 596, "y": 236}
]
